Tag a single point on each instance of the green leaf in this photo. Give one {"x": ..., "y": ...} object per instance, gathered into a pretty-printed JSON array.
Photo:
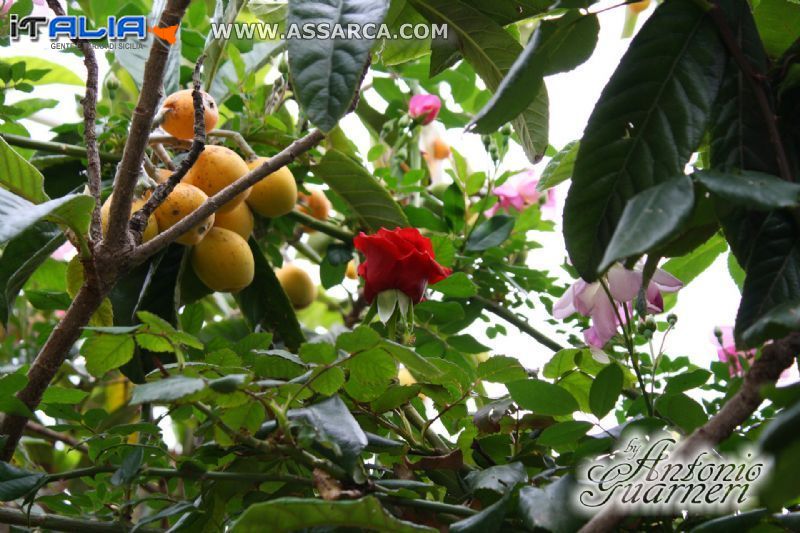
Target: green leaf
[
  {"x": 662, "y": 117},
  {"x": 542, "y": 398},
  {"x": 129, "y": 467},
  {"x": 683, "y": 411},
  {"x": 410, "y": 359},
  {"x": 18, "y": 214},
  {"x": 320, "y": 353},
  {"x": 559, "y": 168},
  {"x": 650, "y": 219},
  {"x": 104, "y": 352},
  {"x": 420, "y": 217},
  {"x": 55, "y": 73},
  {"x": 396, "y": 51},
  {"x": 327, "y": 382},
  {"x": 489, "y": 520},
  {"x": 500, "y": 479},
  {"x": 550, "y": 507},
  {"x": 19, "y": 176},
  {"x": 558, "y": 45},
  {"x": 457, "y": 285},
  {"x": 326, "y": 72},
  {"x": 224, "y": 13},
  {"x": 61, "y": 395},
  {"x": 745, "y": 521},
  {"x": 754, "y": 190},
  {"x": 360, "y": 339},
  {"x": 778, "y": 23},
  {"x": 691, "y": 265},
  {"x": 16, "y": 483},
  {"x": 253, "y": 61},
  {"x": 687, "y": 381},
  {"x": 166, "y": 390},
  {"x": 568, "y": 432},
  {"x": 363, "y": 194},
  {"x": 491, "y": 51},
  {"x": 605, "y": 390},
  {"x": 501, "y": 369},
  {"x": 773, "y": 271},
  {"x": 371, "y": 371},
  {"x": 291, "y": 514},
  {"x": 490, "y": 233},
  {"x": 775, "y": 324},
  {"x": 264, "y": 302},
  {"x": 21, "y": 257}
]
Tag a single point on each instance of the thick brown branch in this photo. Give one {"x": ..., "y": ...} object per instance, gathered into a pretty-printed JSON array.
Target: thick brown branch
[
  {"x": 139, "y": 219},
  {"x": 89, "y": 103},
  {"x": 49, "y": 360},
  {"x": 775, "y": 358},
  {"x": 283, "y": 158},
  {"x": 117, "y": 237}
]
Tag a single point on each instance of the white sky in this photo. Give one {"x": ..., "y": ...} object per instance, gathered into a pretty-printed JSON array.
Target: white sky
[{"x": 711, "y": 300}]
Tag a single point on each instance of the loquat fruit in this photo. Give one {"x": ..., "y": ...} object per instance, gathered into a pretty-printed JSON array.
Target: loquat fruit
[
  {"x": 274, "y": 195},
  {"x": 239, "y": 220},
  {"x": 216, "y": 168},
  {"x": 184, "y": 199},
  {"x": 352, "y": 271},
  {"x": 162, "y": 174},
  {"x": 223, "y": 261},
  {"x": 297, "y": 285},
  {"x": 152, "y": 224},
  {"x": 179, "y": 114},
  {"x": 315, "y": 204}
]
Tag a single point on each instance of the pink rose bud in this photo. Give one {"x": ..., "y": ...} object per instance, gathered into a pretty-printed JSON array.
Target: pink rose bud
[{"x": 425, "y": 107}]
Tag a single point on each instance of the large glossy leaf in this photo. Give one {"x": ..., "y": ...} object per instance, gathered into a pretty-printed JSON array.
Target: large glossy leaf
[
  {"x": 489, "y": 520},
  {"x": 507, "y": 12},
  {"x": 605, "y": 390},
  {"x": 773, "y": 270},
  {"x": 550, "y": 507},
  {"x": 778, "y": 23},
  {"x": 15, "y": 482},
  {"x": 776, "y": 323},
  {"x": 754, "y": 190},
  {"x": 18, "y": 214},
  {"x": 365, "y": 196},
  {"x": 395, "y": 51},
  {"x": 265, "y": 303},
  {"x": 21, "y": 257},
  {"x": 292, "y": 514},
  {"x": 650, "y": 219},
  {"x": 500, "y": 479},
  {"x": 648, "y": 121},
  {"x": 166, "y": 390},
  {"x": 558, "y": 45},
  {"x": 491, "y": 51},
  {"x": 19, "y": 176},
  {"x": 326, "y": 72},
  {"x": 542, "y": 397}
]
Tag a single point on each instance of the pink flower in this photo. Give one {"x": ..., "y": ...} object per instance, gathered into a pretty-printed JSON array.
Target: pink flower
[
  {"x": 727, "y": 352},
  {"x": 425, "y": 107},
  {"x": 5, "y": 6},
  {"x": 590, "y": 299},
  {"x": 65, "y": 252},
  {"x": 518, "y": 192}
]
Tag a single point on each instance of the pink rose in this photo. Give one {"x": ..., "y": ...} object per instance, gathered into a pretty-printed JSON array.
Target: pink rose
[
  {"x": 518, "y": 192},
  {"x": 425, "y": 107}
]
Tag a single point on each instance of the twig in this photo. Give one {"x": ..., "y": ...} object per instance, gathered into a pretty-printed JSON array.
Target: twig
[
  {"x": 163, "y": 155},
  {"x": 766, "y": 370},
  {"x": 55, "y": 147},
  {"x": 415, "y": 418},
  {"x": 324, "y": 227},
  {"x": 139, "y": 220},
  {"x": 428, "y": 505},
  {"x": 54, "y": 436},
  {"x": 117, "y": 238},
  {"x": 756, "y": 82},
  {"x": 523, "y": 326},
  {"x": 62, "y": 523},
  {"x": 236, "y": 137},
  {"x": 211, "y": 205},
  {"x": 89, "y": 103}
]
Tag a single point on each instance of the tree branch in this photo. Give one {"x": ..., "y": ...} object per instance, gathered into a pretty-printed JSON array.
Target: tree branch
[
  {"x": 117, "y": 237},
  {"x": 54, "y": 436},
  {"x": 766, "y": 370},
  {"x": 139, "y": 220},
  {"x": 89, "y": 103},
  {"x": 510, "y": 316},
  {"x": 323, "y": 227},
  {"x": 283, "y": 158},
  {"x": 55, "y": 147},
  {"x": 62, "y": 523}
]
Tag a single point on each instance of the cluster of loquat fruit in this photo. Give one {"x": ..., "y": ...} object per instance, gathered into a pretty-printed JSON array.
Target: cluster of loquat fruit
[{"x": 221, "y": 256}]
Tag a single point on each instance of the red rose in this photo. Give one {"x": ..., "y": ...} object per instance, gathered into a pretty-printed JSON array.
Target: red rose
[{"x": 399, "y": 259}]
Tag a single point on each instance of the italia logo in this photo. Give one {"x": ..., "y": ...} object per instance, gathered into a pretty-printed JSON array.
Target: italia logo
[{"x": 74, "y": 27}]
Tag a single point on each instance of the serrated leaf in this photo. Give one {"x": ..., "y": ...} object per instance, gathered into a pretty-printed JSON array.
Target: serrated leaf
[
  {"x": 490, "y": 233},
  {"x": 292, "y": 514},
  {"x": 326, "y": 72},
  {"x": 542, "y": 398},
  {"x": 633, "y": 143},
  {"x": 364, "y": 195},
  {"x": 650, "y": 219},
  {"x": 166, "y": 390},
  {"x": 457, "y": 285},
  {"x": 104, "y": 352},
  {"x": 754, "y": 190},
  {"x": 606, "y": 389},
  {"x": 361, "y": 338},
  {"x": 491, "y": 51},
  {"x": 557, "y": 45},
  {"x": 501, "y": 369}
]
